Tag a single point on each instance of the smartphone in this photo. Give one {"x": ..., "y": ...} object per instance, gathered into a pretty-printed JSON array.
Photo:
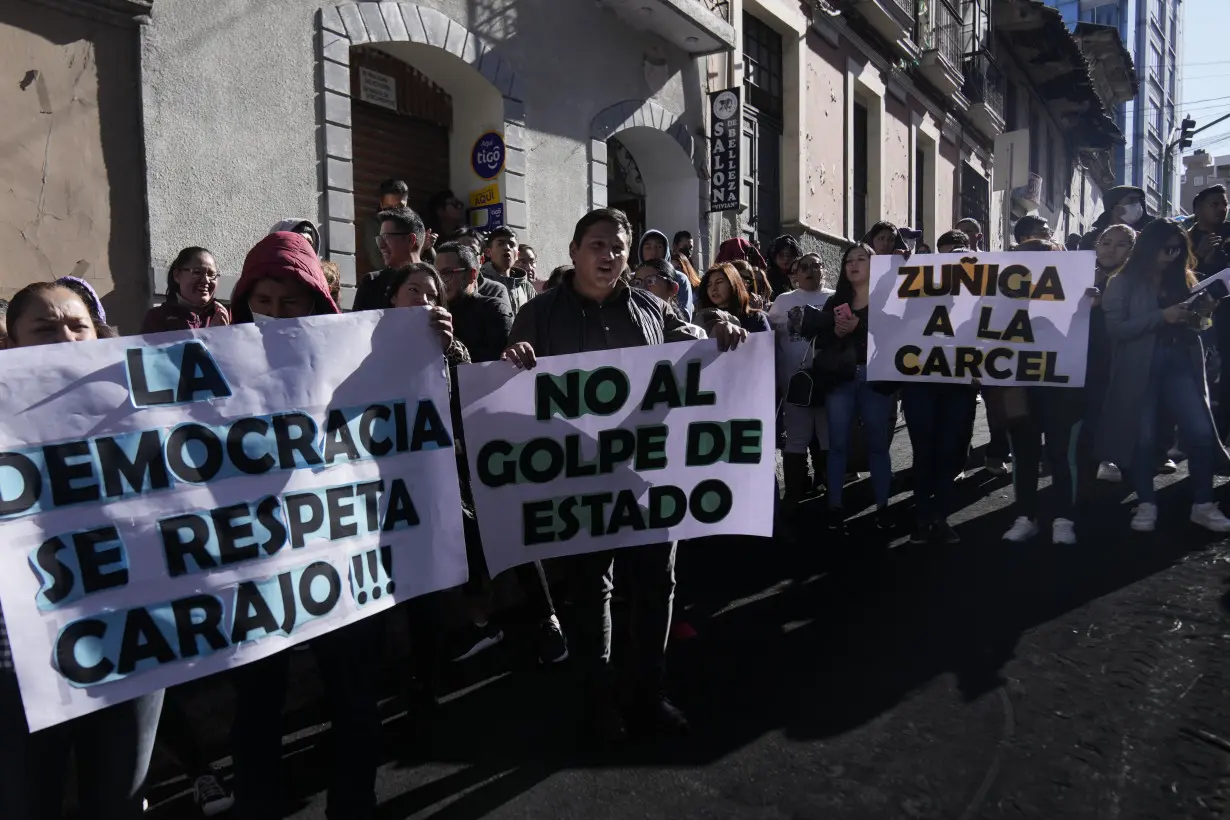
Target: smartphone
[{"x": 842, "y": 311}]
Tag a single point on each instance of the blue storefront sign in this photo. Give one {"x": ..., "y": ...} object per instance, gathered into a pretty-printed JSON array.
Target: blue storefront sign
[{"x": 487, "y": 158}]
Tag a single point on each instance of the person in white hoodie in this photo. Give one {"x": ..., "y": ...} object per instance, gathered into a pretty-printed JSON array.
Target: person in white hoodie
[{"x": 794, "y": 353}]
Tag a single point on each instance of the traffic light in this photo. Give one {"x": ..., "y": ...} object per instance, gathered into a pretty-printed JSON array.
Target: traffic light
[{"x": 1185, "y": 134}]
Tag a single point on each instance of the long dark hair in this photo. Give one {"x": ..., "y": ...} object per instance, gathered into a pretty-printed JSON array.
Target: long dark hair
[
  {"x": 737, "y": 289},
  {"x": 782, "y": 243},
  {"x": 172, "y": 291},
  {"x": 403, "y": 273},
  {"x": 1178, "y": 276},
  {"x": 844, "y": 291},
  {"x": 880, "y": 227}
]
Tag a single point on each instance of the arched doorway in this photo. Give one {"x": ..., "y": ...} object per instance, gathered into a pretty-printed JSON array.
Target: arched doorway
[
  {"x": 448, "y": 61},
  {"x": 401, "y": 123},
  {"x": 648, "y": 170},
  {"x": 624, "y": 184}
]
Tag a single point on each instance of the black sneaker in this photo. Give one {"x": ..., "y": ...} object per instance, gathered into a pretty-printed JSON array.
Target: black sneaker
[
  {"x": 211, "y": 796},
  {"x": 552, "y": 645},
  {"x": 943, "y": 533},
  {"x": 605, "y": 721},
  {"x": 835, "y": 520},
  {"x": 657, "y": 716},
  {"x": 921, "y": 534},
  {"x": 473, "y": 639},
  {"x": 884, "y": 522}
]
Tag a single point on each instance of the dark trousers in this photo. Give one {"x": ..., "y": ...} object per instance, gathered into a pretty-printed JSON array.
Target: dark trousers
[
  {"x": 646, "y": 575},
  {"x": 1056, "y": 414},
  {"x": 349, "y": 661},
  {"x": 113, "y": 747},
  {"x": 938, "y": 418},
  {"x": 531, "y": 577}
]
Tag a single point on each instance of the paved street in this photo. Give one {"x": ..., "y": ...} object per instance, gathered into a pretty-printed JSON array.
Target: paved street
[{"x": 836, "y": 681}]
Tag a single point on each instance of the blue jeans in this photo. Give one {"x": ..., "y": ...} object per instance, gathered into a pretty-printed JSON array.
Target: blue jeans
[
  {"x": 1175, "y": 384},
  {"x": 113, "y": 748},
  {"x": 938, "y": 418},
  {"x": 348, "y": 660},
  {"x": 845, "y": 403}
]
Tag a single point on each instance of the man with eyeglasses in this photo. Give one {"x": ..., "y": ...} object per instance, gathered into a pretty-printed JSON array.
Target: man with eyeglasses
[{"x": 401, "y": 240}]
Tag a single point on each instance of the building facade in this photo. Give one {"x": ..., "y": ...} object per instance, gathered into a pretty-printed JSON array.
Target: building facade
[
  {"x": 1152, "y": 30},
  {"x": 1202, "y": 170}
]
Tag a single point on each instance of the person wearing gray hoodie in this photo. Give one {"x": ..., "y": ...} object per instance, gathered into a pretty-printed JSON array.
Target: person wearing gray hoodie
[{"x": 655, "y": 246}]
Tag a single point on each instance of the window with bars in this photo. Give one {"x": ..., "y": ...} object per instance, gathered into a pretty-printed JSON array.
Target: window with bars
[
  {"x": 920, "y": 189},
  {"x": 862, "y": 156},
  {"x": 762, "y": 128},
  {"x": 762, "y": 67},
  {"x": 975, "y": 195}
]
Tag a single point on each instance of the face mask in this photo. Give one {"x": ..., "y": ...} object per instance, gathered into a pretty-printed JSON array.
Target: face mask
[
  {"x": 260, "y": 318},
  {"x": 1133, "y": 213}
]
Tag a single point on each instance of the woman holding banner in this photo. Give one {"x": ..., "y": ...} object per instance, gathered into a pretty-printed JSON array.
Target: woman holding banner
[
  {"x": 840, "y": 331},
  {"x": 1154, "y": 325},
  {"x": 112, "y": 746}
]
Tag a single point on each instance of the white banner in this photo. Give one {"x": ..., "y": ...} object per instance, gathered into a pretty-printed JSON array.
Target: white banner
[
  {"x": 177, "y": 504},
  {"x": 1017, "y": 318},
  {"x": 620, "y": 448}
]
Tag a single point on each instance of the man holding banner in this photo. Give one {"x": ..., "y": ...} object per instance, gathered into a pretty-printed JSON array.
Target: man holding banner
[{"x": 594, "y": 309}]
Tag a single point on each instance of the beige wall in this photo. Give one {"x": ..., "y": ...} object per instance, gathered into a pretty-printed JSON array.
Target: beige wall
[
  {"x": 896, "y": 173},
  {"x": 73, "y": 192},
  {"x": 824, "y": 165}
]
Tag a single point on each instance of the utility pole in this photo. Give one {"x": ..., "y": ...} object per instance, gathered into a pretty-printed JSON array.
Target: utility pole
[{"x": 1186, "y": 133}]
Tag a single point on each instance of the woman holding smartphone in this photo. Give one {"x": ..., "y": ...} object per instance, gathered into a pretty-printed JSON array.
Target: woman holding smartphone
[
  {"x": 840, "y": 331},
  {"x": 1158, "y": 358}
]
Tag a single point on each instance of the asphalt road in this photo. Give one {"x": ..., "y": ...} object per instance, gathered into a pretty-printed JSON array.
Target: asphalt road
[{"x": 839, "y": 682}]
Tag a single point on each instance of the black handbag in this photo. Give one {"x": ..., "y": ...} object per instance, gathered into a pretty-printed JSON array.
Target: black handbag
[{"x": 802, "y": 390}]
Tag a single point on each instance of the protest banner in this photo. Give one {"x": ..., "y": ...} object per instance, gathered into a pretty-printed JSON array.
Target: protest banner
[
  {"x": 177, "y": 504},
  {"x": 620, "y": 448},
  {"x": 1017, "y": 318}
]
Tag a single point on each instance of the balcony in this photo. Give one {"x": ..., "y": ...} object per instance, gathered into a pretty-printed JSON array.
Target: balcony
[
  {"x": 983, "y": 86},
  {"x": 940, "y": 33},
  {"x": 698, "y": 27},
  {"x": 893, "y": 20}
]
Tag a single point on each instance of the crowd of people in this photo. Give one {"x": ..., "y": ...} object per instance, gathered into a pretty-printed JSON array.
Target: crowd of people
[{"x": 1151, "y": 348}]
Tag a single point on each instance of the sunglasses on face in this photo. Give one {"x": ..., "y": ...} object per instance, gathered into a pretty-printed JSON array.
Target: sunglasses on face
[{"x": 1172, "y": 250}]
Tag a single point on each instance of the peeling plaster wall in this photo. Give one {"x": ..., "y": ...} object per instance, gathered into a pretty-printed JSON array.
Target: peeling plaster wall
[
  {"x": 71, "y": 159},
  {"x": 896, "y": 172},
  {"x": 231, "y": 111},
  {"x": 824, "y": 188},
  {"x": 947, "y": 185}
]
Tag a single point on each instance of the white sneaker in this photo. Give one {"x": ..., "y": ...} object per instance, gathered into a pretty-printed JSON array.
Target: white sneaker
[
  {"x": 1210, "y": 517},
  {"x": 1109, "y": 472},
  {"x": 211, "y": 798},
  {"x": 1144, "y": 519},
  {"x": 1022, "y": 530},
  {"x": 1063, "y": 531}
]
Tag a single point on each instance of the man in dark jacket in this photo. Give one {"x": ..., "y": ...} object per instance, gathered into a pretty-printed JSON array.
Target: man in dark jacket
[
  {"x": 593, "y": 308},
  {"x": 1125, "y": 205},
  {"x": 401, "y": 239},
  {"x": 1211, "y": 234},
  {"x": 481, "y": 323}
]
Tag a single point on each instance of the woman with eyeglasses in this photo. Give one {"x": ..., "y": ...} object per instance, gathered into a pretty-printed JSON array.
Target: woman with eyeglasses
[
  {"x": 1158, "y": 360},
  {"x": 192, "y": 280}
]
